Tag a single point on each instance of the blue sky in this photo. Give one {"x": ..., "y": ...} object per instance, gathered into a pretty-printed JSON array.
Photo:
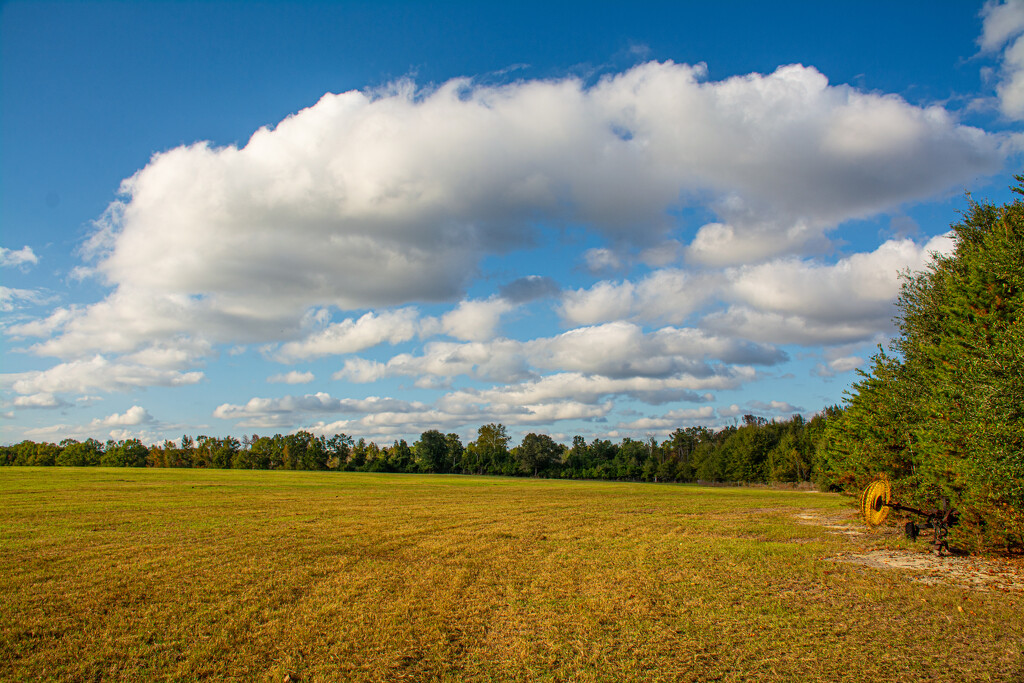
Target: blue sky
[{"x": 383, "y": 218}]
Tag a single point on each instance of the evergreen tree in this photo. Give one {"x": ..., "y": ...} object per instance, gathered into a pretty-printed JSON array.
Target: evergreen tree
[{"x": 944, "y": 415}]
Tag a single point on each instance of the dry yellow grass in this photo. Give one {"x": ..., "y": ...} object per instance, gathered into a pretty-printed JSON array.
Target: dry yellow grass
[{"x": 224, "y": 575}]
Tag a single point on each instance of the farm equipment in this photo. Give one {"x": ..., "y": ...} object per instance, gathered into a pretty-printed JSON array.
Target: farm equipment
[{"x": 876, "y": 502}]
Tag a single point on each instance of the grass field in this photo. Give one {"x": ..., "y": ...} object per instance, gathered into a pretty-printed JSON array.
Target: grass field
[{"x": 113, "y": 574}]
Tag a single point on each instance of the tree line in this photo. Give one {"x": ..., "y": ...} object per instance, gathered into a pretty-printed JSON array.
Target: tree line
[{"x": 754, "y": 451}]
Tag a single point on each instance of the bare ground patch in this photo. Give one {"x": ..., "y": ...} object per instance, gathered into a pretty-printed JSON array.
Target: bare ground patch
[
  {"x": 981, "y": 573},
  {"x": 973, "y": 572},
  {"x": 837, "y": 524}
]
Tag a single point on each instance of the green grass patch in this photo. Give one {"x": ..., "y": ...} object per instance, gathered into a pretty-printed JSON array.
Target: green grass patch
[{"x": 113, "y": 574}]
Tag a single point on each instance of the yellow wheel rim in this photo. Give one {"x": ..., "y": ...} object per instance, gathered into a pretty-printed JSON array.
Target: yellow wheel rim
[{"x": 874, "y": 501}]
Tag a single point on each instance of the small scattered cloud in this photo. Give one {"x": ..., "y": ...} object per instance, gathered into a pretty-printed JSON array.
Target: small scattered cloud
[
  {"x": 476, "y": 320},
  {"x": 22, "y": 257},
  {"x": 601, "y": 260},
  {"x": 775, "y": 407},
  {"x": 671, "y": 420},
  {"x": 40, "y": 400},
  {"x": 529, "y": 288},
  {"x": 837, "y": 364},
  {"x": 846, "y": 363},
  {"x": 733, "y": 410},
  {"x": 135, "y": 415},
  {"x": 12, "y": 299},
  {"x": 293, "y": 377}
]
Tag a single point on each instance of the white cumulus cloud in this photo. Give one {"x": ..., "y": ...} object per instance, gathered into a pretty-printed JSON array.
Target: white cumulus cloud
[
  {"x": 1003, "y": 31},
  {"x": 475, "y": 320},
  {"x": 370, "y": 199},
  {"x": 293, "y": 377},
  {"x": 668, "y": 295},
  {"x": 96, "y": 373},
  {"x": 796, "y": 301},
  {"x": 352, "y": 335},
  {"x": 135, "y": 415},
  {"x": 21, "y": 257},
  {"x": 40, "y": 400}
]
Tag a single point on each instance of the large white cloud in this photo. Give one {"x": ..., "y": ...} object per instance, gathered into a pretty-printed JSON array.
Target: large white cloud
[
  {"x": 371, "y": 199},
  {"x": 379, "y": 200}
]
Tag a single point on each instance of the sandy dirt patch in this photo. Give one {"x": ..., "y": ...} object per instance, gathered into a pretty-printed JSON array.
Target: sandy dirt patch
[
  {"x": 842, "y": 525},
  {"x": 923, "y": 566},
  {"x": 973, "y": 572}
]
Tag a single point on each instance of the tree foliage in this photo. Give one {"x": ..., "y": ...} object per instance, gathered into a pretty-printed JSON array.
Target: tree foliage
[{"x": 943, "y": 413}]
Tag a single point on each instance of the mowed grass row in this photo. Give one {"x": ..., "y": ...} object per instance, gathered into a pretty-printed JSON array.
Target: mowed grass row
[{"x": 113, "y": 574}]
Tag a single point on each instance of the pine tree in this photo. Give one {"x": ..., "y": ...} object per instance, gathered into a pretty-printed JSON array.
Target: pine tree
[{"x": 944, "y": 415}]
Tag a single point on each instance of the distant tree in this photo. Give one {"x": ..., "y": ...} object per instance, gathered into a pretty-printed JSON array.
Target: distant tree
[
  {"x": 376, "y": 458},
  {"x": 400, "y": 457},
  {"x": 537, "y": 453},
  {"x": 431, "y": 452},
  {"x": 630, "y": 458},
  {"x": 577, "y": 458},
  {"x": 126, "y": 453},
  {"x": 339, "y": 448},
  {"x": 357, "y": 459},
  {"x": 223, "y": 452},
  {"x": 456, "y": 452},
  {"x": 489, "y": 453},
  {"x": 80, "y": 454}
]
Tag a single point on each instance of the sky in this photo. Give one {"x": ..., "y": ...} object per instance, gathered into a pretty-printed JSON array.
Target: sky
[{"x": 380, "y": 218}]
